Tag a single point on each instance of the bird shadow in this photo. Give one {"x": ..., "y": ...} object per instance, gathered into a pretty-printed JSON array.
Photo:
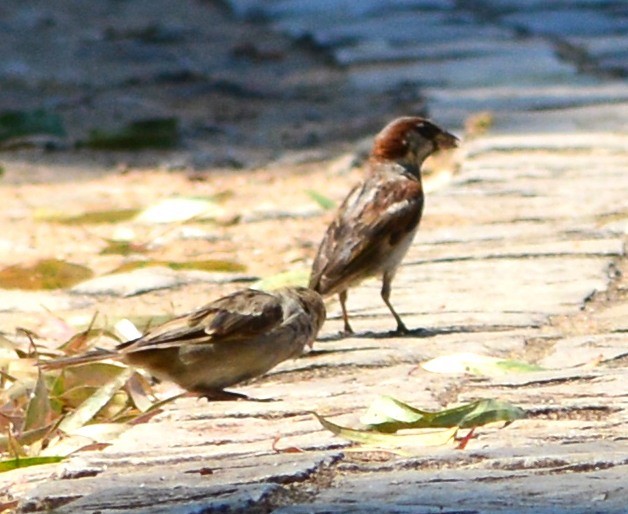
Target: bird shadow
[
  {"x": 414, "y": 333},
  {"x": 226, "y": 396}
]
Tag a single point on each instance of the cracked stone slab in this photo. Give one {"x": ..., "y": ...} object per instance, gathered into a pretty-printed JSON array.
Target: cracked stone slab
[{"x": 204, "y": 480}]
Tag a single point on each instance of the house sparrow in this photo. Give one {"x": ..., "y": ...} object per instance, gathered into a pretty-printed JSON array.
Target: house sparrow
[
  {"x": 376, "y": 223},
  {"x": 232, "y": 339}
]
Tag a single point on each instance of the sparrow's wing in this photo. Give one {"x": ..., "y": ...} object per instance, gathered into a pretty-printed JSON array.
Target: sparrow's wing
[
  {"x": 239, "y": 316},
  {"x": 373, "y": 219}
]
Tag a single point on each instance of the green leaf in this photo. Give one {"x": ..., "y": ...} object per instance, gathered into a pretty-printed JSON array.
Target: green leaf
[
  {"x": 24, "y": 462},
  {"x": 461, "y": 363},
  {"x": 38, "y": 412},
  {"x": 387, "y": 415},
  {"x": 44, "y": 274},
  {"x": 151, "y": 133},
  {"x": 123, "y": 248},
  {"x": 392, "y": 442},
  {"x": 207, "y": 265},
  {"x": 25, "y": 438},
  {"x": 73, "y": 397},
  {"x": 90, "y": 218},
  {"x": 489, "y": 411},
  {"x": 25, "y": 123},
  {"x": 90, "y": 407},
  {"x": 297, "y": 277},
  {"x": 94, "y": 374},
  {"x": 325, "y": 202}
]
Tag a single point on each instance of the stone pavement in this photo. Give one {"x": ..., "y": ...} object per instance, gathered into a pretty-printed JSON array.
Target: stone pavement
[{"x": 521, "y": 255}]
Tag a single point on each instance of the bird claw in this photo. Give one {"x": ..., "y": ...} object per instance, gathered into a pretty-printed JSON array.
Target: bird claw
[
  {"x": 415, "y": 332},
  {"x": 228, "y": 396},
  {"x": 401, "y": 330}
]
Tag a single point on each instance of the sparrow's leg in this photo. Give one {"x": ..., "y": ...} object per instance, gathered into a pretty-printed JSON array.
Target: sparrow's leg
[
  {"x": 386, "y": 283},
  {"x": 343, "y": 299}
]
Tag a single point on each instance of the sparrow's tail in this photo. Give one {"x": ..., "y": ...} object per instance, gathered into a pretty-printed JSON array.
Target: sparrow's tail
[{"x": 62, "y": 362}]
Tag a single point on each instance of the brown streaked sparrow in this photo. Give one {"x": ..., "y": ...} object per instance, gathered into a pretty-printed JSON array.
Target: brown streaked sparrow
[
  {"x": 234, "y": 338},
  {"x": 376, "y": 223}
]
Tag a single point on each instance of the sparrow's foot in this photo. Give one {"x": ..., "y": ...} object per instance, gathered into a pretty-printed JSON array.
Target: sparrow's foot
[
  {"x": 347, "y": 331},
  {"x": 220, "y": 395},
  {"x": 414, "y": 332},
  {"x": 401, "y": 330}
]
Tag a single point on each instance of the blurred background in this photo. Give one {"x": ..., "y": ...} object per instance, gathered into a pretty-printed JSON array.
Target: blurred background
[{"x": 237, "y": 84}]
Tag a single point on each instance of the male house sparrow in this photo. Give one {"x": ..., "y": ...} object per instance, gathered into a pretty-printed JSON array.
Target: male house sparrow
[
  {"x": 376, "y": 223},
  {"x": 234, "y": 338}
]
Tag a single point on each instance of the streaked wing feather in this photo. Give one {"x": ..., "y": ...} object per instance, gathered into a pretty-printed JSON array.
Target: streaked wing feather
[
  {"x": 378, "y": 218},
  {"x": 239, "y": 316}
]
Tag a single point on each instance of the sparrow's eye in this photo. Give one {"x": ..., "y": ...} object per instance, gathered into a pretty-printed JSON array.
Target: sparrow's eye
[{"x": 427, "y": 130}]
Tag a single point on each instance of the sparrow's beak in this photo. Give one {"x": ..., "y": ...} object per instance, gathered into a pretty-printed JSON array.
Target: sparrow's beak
[{"x": 445, "y": 140}]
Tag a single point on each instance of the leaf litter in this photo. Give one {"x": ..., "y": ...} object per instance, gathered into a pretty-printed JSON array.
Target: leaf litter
[{"x": 47, "y": 415}]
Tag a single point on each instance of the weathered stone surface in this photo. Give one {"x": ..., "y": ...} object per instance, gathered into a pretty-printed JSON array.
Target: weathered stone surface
[
  {"x": 469, "y": 491},
  {"x": 609, "y": 116},
  {"x": 514, "y": 97},
  {"x": 180, "y": 500}
]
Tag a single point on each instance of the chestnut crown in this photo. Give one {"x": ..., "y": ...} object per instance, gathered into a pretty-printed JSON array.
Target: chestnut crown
[{"x": 408, "y": 141}]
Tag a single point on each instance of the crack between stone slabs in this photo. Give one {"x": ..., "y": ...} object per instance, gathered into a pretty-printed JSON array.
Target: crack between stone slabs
[
  {"x": 306, "y": 488},
  {"x": 610, "y": 295},
  {"x": 527, "y": 256},
  {"x": 583, "y": 467},
  {"x": 583, "y": 61},
  {"x": 619, "y": 361},
  {"x": 575, "y": 235},
  {"x": 577, "y": 413},
  {"x": 540, "y": 382},
  {"x": 364, "y": 462},
  {"x": 563, "y": 105},
  {"x": 564, "y": 50},
  {"x": 420, "y": 332},
  {"x": 525, "y": 150}
]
